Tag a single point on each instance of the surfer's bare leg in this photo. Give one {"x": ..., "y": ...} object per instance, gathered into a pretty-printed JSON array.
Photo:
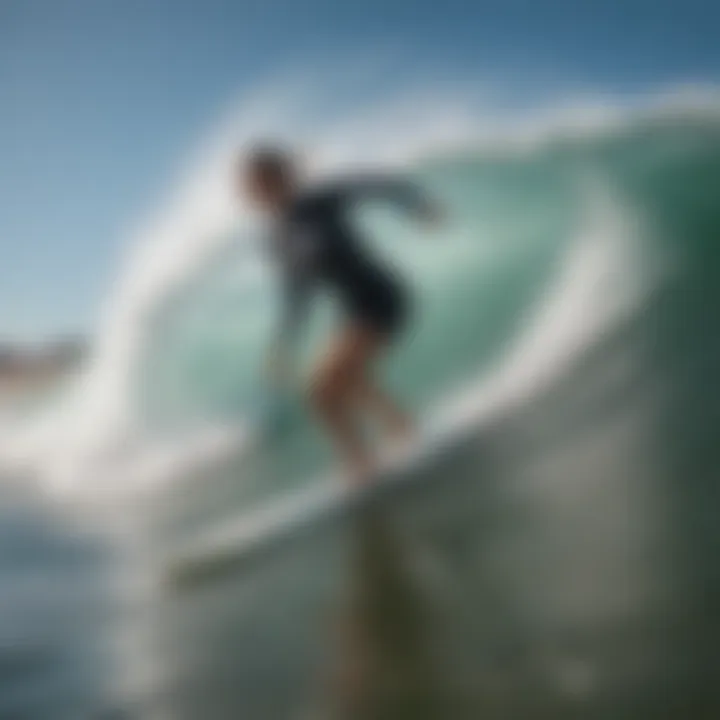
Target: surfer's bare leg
[{"x": 334, "y": 393}]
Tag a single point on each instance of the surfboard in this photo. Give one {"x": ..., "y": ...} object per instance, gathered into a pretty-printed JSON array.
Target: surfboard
[{"x": 244, "y": 537}]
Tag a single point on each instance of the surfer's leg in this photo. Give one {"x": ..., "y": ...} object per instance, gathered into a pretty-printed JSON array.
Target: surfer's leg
[
  {"x": 333, "y": 391},
  {"x": 388, "y": 315}
]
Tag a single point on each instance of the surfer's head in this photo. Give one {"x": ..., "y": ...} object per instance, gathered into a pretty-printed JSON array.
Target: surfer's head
[{"x": 268, "y": 176}]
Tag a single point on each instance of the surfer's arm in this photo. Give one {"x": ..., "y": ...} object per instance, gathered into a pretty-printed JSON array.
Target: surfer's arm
[{"x": 398, "y": 191}]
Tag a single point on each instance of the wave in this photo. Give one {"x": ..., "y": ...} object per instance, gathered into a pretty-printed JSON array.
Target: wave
[
  {"x": 97, "y": 437},
  {"x": 602, "y": 281}
]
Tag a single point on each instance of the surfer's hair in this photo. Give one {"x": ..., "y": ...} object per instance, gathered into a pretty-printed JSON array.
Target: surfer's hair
[{"x": 271, "y": 163}]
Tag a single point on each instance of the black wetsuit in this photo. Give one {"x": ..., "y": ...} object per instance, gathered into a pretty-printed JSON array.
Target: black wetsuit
[{"x": 317, "y": 246}]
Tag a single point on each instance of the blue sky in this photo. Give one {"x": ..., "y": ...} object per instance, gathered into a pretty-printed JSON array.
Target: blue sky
[{"x": 101, "y": 100}]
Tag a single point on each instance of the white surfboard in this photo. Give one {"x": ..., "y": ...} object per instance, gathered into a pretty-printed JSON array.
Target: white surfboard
[{"x": 239, "y": 539}]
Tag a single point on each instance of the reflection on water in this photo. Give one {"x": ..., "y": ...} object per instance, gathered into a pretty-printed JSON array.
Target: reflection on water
[{"x": 384, "y": 665}]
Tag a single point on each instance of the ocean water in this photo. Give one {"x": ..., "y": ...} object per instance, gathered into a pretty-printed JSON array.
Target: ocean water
[{"x": 556, "y": 557}]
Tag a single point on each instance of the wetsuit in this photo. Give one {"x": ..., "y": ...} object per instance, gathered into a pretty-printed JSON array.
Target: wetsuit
[{"x": 316, "y": 246}]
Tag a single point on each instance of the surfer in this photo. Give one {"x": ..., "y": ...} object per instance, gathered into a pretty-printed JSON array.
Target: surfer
[{"x": 315, "y": 245}]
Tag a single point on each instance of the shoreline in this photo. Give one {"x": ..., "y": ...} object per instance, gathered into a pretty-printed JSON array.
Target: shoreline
[
  {"x": 27, "y": 371},
  {"x": 17, "y": 389}
]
